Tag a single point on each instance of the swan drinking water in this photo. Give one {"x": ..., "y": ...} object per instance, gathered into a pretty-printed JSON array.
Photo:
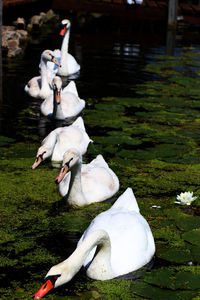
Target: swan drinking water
[
  {"x": 63, "y": 103},
  {"x": 40, "y": 86},
  {"x": 60, "y": 139},
  {"x": 124, "y": 240},
  {"x": 87, "y": 183},
  {"x": 68, "y": 63}
]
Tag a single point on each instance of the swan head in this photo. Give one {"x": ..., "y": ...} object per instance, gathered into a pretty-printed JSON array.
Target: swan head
[
  {"x": 57, "y": 83},
  {"x": 42, "y": 154},
  {"x": 57, "y": 276},
  {"x": 66, "y": 24},
  {"x": 71, "y": 157},
  {"x": 57, "y": 86},
  {"x": 48, "y": 55}
]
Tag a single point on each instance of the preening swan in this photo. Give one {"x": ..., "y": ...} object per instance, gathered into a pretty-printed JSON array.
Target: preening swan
[
  {"x": 125, "y": 244},
  {"x": 63, "y": 103},
  {"x": 40, "y": 86},
  {"x": 87, "y": 183},
  {"x": 59, "y": 140},
  {"x": 68, "y": 63}
]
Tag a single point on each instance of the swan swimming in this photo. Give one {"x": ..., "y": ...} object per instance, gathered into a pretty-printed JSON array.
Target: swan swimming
[
  {"x": 61, "y": 139},
  {"x": 87, "y": 183},
  {"x": 68, "y": 63},
  {"x": 40, "y": 86},
  {"x": 125, "y": 244},
  {"x": 63, "y": 103}
]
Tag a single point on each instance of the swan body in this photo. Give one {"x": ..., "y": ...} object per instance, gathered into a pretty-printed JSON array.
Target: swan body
[
  {"x": 87, "y": 183},
  {"x": 63, "y": 103},
  {"x": 68, "y": 63},
  {"x": 40, "y": 86},
  {"x": 124, "y": 240},
  {"x": 60, "y": 139}
]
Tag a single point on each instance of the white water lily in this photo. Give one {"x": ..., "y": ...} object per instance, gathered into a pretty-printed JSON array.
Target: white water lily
[{"x": 185, "y": 198}]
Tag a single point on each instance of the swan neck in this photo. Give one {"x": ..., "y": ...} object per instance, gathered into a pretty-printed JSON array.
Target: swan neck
[
  {"x": 76, "y": 196},
  {"x": 100, "y": 266},
  {"x": 55, "y": 105},
  {"x": 44, "y": 79},
  {"x": 64, "y": 49}
]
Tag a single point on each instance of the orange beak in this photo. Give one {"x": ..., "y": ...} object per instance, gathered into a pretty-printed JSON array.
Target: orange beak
[
  {"x": 55, "y": 61},
  {"x": 45, "y": 288},
  {"x": 37, "y": 162},
  {"x": 63, "y": 30},
  {"x": 61, "y": 174},
  {"x": 58, "y": 98}
]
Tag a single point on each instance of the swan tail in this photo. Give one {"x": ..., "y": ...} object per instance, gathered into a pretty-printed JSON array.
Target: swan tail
[
  {"x": 71, "y": 87},
  {"x": 127, "y": 201},
  {"x": 79, "y": 123}
]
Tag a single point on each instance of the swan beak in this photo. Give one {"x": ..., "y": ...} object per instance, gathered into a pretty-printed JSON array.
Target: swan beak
[
  {"x": 62, "y": 32},
  {"x": 61, "y": 174},
  {"x": 37, "y": 162},
  {"x": 58, "y": 98},
  {"x": 45, "y": 288},
  {"x": 55, "y": 61}
]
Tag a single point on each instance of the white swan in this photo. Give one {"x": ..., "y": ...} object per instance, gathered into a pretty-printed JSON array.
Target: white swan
[
  {"x": 68, "y": 63},
  {"x": 63, "y": 103},
  {"x": 125, "y": 244},
  {"x": 87, "y": 183},
  {"x": 40, "y": 86},
  {"x": 59, "y": 140}
]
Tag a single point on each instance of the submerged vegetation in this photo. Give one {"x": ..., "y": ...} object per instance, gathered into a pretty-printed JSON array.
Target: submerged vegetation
[{"x": 151, "y": 141}]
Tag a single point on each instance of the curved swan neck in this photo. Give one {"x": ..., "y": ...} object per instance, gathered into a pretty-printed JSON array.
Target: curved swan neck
[
  {"x": 99, "y": 268},
  {"x": 76, "y": 196},
  {"x": 44, "y": 80},
  {"x": 55, "y": 105},
  {"x": 64, "y": 50}
]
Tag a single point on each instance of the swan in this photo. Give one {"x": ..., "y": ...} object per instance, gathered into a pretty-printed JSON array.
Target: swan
[
  {"x": 40, "y": 86},
  {"x": 68, "y": 63},
  {"x": 63, "y": 103},
  {"x": 87, "y": 183},
  {"x": 124, "y": 242},
  {"x": 61, "y": 139}
]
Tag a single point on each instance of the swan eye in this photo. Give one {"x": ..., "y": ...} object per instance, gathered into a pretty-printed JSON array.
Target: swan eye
[
  {"x": 68, "y": 162},
  {"x": 52, "y": 278},
  {"x": 40, "y": 156}
]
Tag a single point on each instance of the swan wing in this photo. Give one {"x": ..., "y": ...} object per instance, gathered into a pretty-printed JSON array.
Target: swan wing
[
  {"x": 72, "y": 65},
  {"x": 127, "y": 201},
  {"x": 71, "y": 87},
  {"x": 79, "y": 123},
  {"x": 70, "y": 105}
]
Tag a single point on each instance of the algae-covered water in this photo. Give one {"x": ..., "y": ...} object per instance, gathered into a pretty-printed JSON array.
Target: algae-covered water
[{"x": 143, "y": 113}]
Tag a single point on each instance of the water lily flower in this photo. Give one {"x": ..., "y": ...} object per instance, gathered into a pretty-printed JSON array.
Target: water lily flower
[{"x": 185, "y": 198}]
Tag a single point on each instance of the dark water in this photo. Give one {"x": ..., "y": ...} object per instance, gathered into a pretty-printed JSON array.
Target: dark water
[{"x": 111, "y": 65}]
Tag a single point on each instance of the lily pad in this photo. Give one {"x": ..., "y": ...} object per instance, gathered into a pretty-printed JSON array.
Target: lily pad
[{"x": 192, "y": 236}]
